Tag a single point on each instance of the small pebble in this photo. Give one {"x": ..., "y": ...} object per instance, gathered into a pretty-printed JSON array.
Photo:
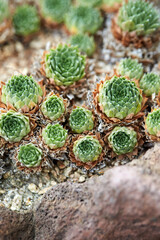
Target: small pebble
[
  {"x": 81, "y": 179},
  {"x": 33, "y": 188}
]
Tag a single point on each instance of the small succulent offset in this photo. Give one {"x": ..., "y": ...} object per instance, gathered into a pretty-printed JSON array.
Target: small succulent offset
[
  {"x": 14, "y": 126},
  {"x": 21, "y": 91},
  {"x": 119, "y": 97},
  {"x": 30, "y": 155},
  {"x": 53, "y": 107},
  {"x": 4, "y": 12},
  {"x": 87, "y": 149},
  {"x": 81, "y": 120},
  {"x": 85, "y": 43},
  {"x": 150, "y": 83},
  {"x": 83, "y": 19},
  {"x": 26, "y": 20},
  {"x": 153, "y": 123},
  {"x": 130, "y": 68},
  {"x": 139, "y": 16},
  {"x": 122, "y": 140},
  {"x": 54, "y": 136},
  {"x": 55, "y": 9},
  {"x": 90, "y": 3},
  {"x": 65, "y": 65}
]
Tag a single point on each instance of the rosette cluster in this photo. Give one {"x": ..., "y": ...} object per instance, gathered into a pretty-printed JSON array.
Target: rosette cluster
[
  {"x": 65, "y": 65},
  {"x": 85, "y": 43},
  {"x": 130, "y": 68},
  {"x": 30, "y": 156},
  {"x": 55, "y": 10},
  {"x": 26, "y": 20},
  {"x": 122, "y": 140},
  {"x": 90, "y": 3},
  {"x": 14, "y": 126},
  {"x": 53, "y": 107},
  {"x": 54, "y": 136},
  {"x": 21, "y": 91},
  {"x": 3, "y": 10},
  {"x": 81, "y": 120},
  {"x": 87, "y": 149},
  {"x": 152, "y": 123},
  {"x": 83, "y": 19},
  {"x": 150, "y": 83},
  {"x": 139, "y": 16},
  {"x": 119, "y": 98}
]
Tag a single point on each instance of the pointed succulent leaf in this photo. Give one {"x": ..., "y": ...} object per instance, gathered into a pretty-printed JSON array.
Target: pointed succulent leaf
[
  {"x": 26, "y": 20},
  {"x": 119, "y": 98},
  {"x": 54, "y": 136},
  {"x": 14, "y": 126},
  {"x": 153, "y": 123},
  {"x": 55, "y": 9},
  {"x": 81, "y": 120},
  {"x": 85, "y": 43},
  {"x": 87, "y": 149},
  {"x": 21, "y": 91},
  {"x": 122, "y": 140},
  {"x": 53, "y": 107},
  {"x": 90, "y": 3},
  {"x": 4, "y": 11},
  {"x": 139, "y": 16},
  {"x": 30, "y": 155},
  {"x": 130, "y": 68},
  {"x": 65, "y": 65},
  {"x": 83, "y": 19},
  {"x": 150, "y": 83}
]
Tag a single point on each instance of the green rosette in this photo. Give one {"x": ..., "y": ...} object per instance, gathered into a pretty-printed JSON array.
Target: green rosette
[
  {"x": 81, "y": 120},
  {"x": 152, "y": 123},
  {"x": 150, "y": 83},
  {"x": 90, "y": 3},
  {"x": 122, "y": 140},
  {"x": 30, "y": 156},
  {"x": 54, "y": 136},
  {"x": 119, "y": 98},
  {"x": 14, "y": 126},
  {"x": 65, "y": 65}
]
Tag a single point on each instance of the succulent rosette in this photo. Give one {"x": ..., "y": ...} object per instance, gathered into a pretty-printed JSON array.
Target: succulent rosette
[
  {"x": 22, "y": 92},
  {"x": 111, "y": 5},
  {"x": 130, "y": 68},
  {"x": 26, "y": 20},
  {"x": 90, "y": 3},
  {"x": 54, "y": 136},
  {"x": 86, "y": 151},
  {"x": 14, "y": 126},
  {"x": 83, "y": 19},
  {"x": 53, "y": 107},
  {"x": 81, "y": 120},
  {"x": 84, "y": 42},
  {"x": 152, "y": 124},
  {"x": 65, "y": 65},
  {"x": 122, "y": 140},
  {"x": 117, "y": 99},
  {"x": 150, "y": 83},
  {"x": 30, "y": 156}
]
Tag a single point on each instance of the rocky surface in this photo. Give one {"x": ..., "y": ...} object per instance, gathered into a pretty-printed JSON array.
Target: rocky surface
[{"x": 121, "y": 204}]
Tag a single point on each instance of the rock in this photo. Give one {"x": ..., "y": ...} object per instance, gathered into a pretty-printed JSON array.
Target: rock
[{"x": 33, "y": 188}]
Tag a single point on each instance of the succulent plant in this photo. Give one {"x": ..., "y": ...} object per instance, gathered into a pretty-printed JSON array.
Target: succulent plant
[
  {"x": 26, "y": 20},
  {"x": 153, "y": 123},
  {"x": 122, "y": 140},
  {"x": 150, "y": 83},
  {"x": 14, "y": 126},
  {"x": 130, "y": 68},
  {"x": 55, "y": 9},
  {"x": 53, "y": 107},
  {"x": 139, "y": 16},
  {"x": 87, "y": 149},
  {"x": 85, "y": 43},
  {"x": 30, "y": 155},
  {"x": 83, "y": 19},
  {"x": 111, "y": 3},
  {"x": 54, "y": 136},
  {"x": 4, "y": 12},
  {"x": 90, "y": 3},
  {"x": 65, "y": 65},
  {"x": 21, "y": 91},
  {"x": 81, "y": 120},
  {"x": 119, "y": 98}
]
